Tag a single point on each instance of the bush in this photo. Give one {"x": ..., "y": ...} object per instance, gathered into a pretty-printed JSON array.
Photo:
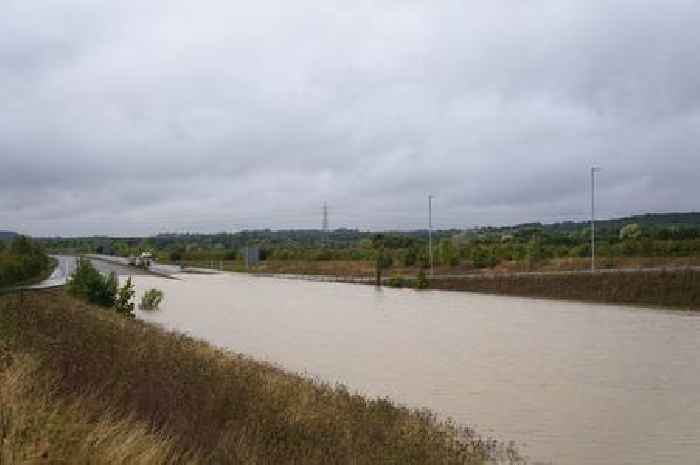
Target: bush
[
  {"x": 409, "y": 257},
  {"x": 21, "y": 261},
  {"x": 151, "y": 299},
  {"x": 397, "y": 281},
  {"x": 90, "y": 284},
  {"x": 483, "y": 258},
  {"x": 421, "y": 280}
]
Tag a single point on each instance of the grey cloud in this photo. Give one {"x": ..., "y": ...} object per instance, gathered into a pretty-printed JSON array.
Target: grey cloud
[{"x": 140, "y": 117}]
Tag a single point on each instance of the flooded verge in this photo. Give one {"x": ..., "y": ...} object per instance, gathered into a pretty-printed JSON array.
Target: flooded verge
[{"x": 572, "y": 382}]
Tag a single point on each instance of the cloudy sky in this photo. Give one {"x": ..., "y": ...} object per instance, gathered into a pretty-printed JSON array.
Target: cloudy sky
[{"x": 136, "y": 117}]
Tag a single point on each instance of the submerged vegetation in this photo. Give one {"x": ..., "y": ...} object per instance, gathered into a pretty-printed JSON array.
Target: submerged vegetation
[
  {"x": 213, "y": 407},
  {"x": 151, "y": 299},
  {"x": 22, "y": 260}
]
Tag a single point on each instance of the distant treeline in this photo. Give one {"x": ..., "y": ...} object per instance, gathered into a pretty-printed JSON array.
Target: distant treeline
[
  {"x": 652, "y": 235},
  {"x": 21, "y": 260}
]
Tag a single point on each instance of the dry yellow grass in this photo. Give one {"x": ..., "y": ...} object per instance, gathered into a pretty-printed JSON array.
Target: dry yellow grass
[{"x": 37, "y": 426}]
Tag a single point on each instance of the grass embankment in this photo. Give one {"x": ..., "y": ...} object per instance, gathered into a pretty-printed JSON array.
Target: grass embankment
[
  {"x": 128, "y": 387},
  {"x": 656, "y": 288},
  {"x": 37, "y": 426}
]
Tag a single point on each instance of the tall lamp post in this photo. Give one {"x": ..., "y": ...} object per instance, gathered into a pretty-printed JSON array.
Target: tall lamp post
[
  {"x": 594, "y": 170},
  {"x": 430, "y": 232}
]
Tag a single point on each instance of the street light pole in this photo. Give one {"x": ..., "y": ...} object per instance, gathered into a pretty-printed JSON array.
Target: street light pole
[
  {"x": 430, "y": 232},
  {"x": 594, "y": 170}
]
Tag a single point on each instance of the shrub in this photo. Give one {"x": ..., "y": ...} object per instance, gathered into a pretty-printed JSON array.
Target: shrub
[
  {"x": 421, "y": 280},
  {"x": 123, "y": 303},
  {"x": 151, "y": 299},
  {"x": 21, "y": 261},
  {"x": 483, "y": 258},
  {"x": 409, "y": 257},
  {"x": 396, "y": 281},
  {"x": 90, "y": 284},
  {"x": 631, "y": 231}
]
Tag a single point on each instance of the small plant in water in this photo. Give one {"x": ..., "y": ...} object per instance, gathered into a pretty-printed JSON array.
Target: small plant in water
[
  {"x": 421, "y": 280},
  {"x": 397, "y": 281},
  {"x": 151, "y": 299}
]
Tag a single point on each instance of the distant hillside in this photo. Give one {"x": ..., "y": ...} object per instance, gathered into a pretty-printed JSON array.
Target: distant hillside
[
  {"x": 7, "y": 235},
  {"x": 658, "y": 220}
]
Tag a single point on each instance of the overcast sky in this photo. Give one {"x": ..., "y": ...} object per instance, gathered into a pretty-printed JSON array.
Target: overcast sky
[{"x": 139, "y": 117}]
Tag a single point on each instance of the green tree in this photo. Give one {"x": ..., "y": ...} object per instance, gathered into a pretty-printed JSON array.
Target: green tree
[
  {"x": 120, "y": 249},
  {"x": 22, "y": 245},
  {"x": 580, "y": 251},
  {"x": 175, "y": 255},
  {"x": 631, "y": 231},
  {"x": 483, "y": 257},
  {"x": 409, "y": 257},
  {"x": 447, "y": 255},
  {"x": 21, "y": 260},
  {"x": 89, "y": 283},
  {"x": 101, "y": 290},
  {"x": 535, "y": 252}
]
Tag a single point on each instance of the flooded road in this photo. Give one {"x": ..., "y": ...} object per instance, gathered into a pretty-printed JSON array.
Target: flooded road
[{"x": 571, "y": 383}]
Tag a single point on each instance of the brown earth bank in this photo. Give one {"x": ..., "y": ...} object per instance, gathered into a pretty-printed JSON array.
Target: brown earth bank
[
  {"x": 80, "y": 384},
  {"x": 677, "y": 288},
  {"x": 635, "y": 282},
  {"x": 366, "y": 268}
]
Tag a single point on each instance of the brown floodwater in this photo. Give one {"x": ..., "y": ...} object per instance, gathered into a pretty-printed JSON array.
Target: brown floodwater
[{"x": 570, "y": 383}]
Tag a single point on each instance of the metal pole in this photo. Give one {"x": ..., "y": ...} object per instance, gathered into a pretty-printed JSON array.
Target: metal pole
[
  {"x": 594, "y": 169},
  {"x": 430, "y": 232}
]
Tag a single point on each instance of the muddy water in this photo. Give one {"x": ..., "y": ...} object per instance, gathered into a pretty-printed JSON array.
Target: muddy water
[{"x": 572, "y": 383}]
